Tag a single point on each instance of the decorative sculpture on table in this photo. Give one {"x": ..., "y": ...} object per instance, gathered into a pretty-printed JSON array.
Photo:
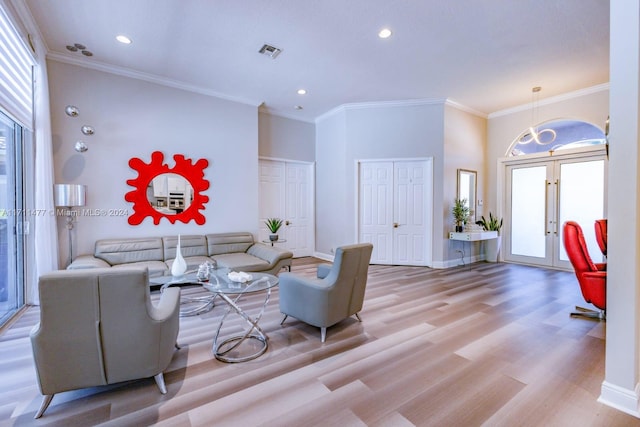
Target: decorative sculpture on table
[
  {"x": 179, "y": 266},
  {"x": 184, "y": 206}
]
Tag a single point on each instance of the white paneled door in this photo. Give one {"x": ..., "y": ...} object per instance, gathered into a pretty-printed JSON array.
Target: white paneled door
[
  {"x": 286, "y": 192},
  {"x": 395, "y": 210}
]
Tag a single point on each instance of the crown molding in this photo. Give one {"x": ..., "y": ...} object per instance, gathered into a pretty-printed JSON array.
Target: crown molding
[
  {"x": 151, "y": 78},
  {"x": 552, "y": 100},
  {"x": 382, "y": 104},
  {"x": 461, "y": 107}
]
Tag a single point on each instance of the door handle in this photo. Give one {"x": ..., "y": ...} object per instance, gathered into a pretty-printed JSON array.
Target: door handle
[
  {"x": 396, "y": 225},
  {"x": 287, "y": 223},
  {"x": 546, "y": 207},
  {"x": 557, "y": 213}
]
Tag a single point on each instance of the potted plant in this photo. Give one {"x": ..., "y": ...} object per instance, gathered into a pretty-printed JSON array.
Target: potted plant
[
  {"x": 460, "y": 213},
  {"x": 273, "y": 224},
  {"x": 492, "y": 246}
]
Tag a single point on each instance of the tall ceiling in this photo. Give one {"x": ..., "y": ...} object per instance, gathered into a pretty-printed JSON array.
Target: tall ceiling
[{"x": 484, "y": 55}]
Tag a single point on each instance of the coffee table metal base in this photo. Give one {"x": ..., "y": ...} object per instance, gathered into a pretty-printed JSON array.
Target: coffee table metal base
[{"x": 228, "y": 350}]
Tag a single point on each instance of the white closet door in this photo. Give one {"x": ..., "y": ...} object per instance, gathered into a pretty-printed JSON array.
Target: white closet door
[
  {"x": 376, "y": 209},
  {"x": 396, "y": 199},
  {"x": 286, "y": 192},
  {"x": 410, "y": 223},
  {"x": 299, "y": 209}
]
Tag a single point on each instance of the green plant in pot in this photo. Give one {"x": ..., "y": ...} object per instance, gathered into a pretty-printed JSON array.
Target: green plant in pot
[
  {"x": 460, "y": 213},
  {"x": 273, "y": 224},
  {"x": 493, "y": 224},
  {"x": 492, "y": 246}
]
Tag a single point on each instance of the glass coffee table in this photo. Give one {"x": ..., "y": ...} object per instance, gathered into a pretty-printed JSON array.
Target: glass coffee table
[
  {"x": 189, "y": 306},
  {"x": 252, "y": 341}
]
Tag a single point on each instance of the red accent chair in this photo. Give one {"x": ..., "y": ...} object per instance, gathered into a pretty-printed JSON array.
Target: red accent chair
[
  {"x": 591, "y": 276},
  {"x": 601, "y": 235}
]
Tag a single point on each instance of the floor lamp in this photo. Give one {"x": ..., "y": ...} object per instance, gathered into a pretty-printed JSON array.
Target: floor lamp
[{"x": 69, "y": 196}]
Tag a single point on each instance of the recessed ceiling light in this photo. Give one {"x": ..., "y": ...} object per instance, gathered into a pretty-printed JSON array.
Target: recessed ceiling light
[
  {"x": 123, "y": 39},
  {"x": 302, "y": 91},
  {"x": 384, "y": 33}
]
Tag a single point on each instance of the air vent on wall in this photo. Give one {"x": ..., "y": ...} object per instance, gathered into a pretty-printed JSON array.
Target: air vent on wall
[{"x": 270, "y": 51}]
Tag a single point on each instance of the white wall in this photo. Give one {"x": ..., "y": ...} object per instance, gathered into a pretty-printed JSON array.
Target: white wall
[
  {"x": 464, "y": 148},
  {"x": 370, "y": 132},
  {"x": 133, "y": 118},
  {"x": 331, "y": 193},
  {"x": 284, "y": 138},
  {"x": 621, "y": 387}
]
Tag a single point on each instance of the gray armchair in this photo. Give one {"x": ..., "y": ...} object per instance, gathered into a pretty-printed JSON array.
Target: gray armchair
[
  {"x": 337, "y": 292},
  {"x": 100, "y": 327}
]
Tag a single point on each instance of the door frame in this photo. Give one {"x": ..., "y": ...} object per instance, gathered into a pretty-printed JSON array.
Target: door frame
[
  {"x": 593, "y": 152},
  {"x": 428, "y": 197}
]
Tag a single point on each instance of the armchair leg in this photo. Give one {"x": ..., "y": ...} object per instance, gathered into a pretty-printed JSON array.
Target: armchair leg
[
  {"x": 358, "y": 317},
  {"x": 323, "y": 334},
  {"x": 160, "y": 382},
  {"x": 46, "y": 400},
  {"x": 284, "y": 318},
  {"x": 591, "y": 314},
  {"x": 177, "y": 346}
]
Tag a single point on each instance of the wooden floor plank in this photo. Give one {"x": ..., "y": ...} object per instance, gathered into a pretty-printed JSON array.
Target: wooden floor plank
[{"x": 487, "y": 344}]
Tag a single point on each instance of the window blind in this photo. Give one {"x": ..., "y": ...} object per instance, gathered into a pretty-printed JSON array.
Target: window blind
[{"x": 16, "y": 74}]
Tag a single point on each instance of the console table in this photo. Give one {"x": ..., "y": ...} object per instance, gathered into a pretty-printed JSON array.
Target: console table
[{"x": 472, "y": 236}]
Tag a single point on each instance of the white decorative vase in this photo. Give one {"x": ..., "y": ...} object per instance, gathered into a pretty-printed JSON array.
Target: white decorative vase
[
  {"x": 492, "y": 248},
  {"x": 179, "y": 266}
]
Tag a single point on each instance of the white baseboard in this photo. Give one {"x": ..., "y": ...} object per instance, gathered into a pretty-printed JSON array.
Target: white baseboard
[
  {"x": 622, "y": 399},
  {"x": 323, "y": 256},
  {"x": 457, "y": 262}
]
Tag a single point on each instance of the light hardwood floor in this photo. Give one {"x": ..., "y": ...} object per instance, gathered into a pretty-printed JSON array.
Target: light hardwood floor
[{"x": 486, "y": 344}]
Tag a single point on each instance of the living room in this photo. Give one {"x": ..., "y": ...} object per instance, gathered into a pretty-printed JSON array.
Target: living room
[{"x": 133, "y": 116}]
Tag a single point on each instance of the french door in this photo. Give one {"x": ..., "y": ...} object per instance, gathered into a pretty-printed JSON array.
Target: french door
[
  {"x": 12, "y": 214},
  {"x": 286, "y": 192},
  {"x": 541, "y": 196},
  {"x": 395, "y": 211}
]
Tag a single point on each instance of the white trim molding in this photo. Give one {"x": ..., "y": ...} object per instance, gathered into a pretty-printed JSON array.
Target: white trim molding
[
  {"x": 151, "y": 78},
  {"x": 622, "y": 399},
  {"x": 551, "y": 100}
]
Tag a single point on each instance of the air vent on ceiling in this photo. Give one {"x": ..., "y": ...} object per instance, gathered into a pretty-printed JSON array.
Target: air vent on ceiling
[{"x": 270, "y": 51}]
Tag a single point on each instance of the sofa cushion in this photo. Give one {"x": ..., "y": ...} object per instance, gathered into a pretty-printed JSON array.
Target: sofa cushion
[
  {"x": 190, "y": 246},
  {"x": 224, "y": 243},
  {"x": 125, "y": 251},
  {"x": 156, "y": 268},
  {"x": 241, "y": 262},
  {"x": 193, "y": 262}
]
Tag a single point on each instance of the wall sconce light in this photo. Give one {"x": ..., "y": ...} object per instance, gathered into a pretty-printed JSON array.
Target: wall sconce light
[
  {"x": 80, "y": 146},
  {"x": 68, "y": 196}
]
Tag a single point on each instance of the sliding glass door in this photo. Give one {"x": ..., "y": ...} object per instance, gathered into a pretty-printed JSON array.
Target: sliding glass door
[
  {"x": 12, "y": 214},
  {"x": 541, "y": 196}
]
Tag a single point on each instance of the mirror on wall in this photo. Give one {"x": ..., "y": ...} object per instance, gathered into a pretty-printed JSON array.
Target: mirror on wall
[
  {"x": 170, "y": 193},
  {"x": 162, "y": 192},
  {"x": 468, "y": 189}
]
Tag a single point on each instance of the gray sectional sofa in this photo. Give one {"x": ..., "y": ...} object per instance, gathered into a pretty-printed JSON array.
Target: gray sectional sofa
[{"x": 236, "y": 251}]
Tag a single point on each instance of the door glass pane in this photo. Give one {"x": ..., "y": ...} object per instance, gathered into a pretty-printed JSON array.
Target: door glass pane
[
  {"x": 528, "y": 206},
  {"x": 581, "y": 200},
  {"x": 11, "y": 288}
]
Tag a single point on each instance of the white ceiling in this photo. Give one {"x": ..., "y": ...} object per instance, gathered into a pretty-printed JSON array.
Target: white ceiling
[{"x": 485, "y": 55}]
